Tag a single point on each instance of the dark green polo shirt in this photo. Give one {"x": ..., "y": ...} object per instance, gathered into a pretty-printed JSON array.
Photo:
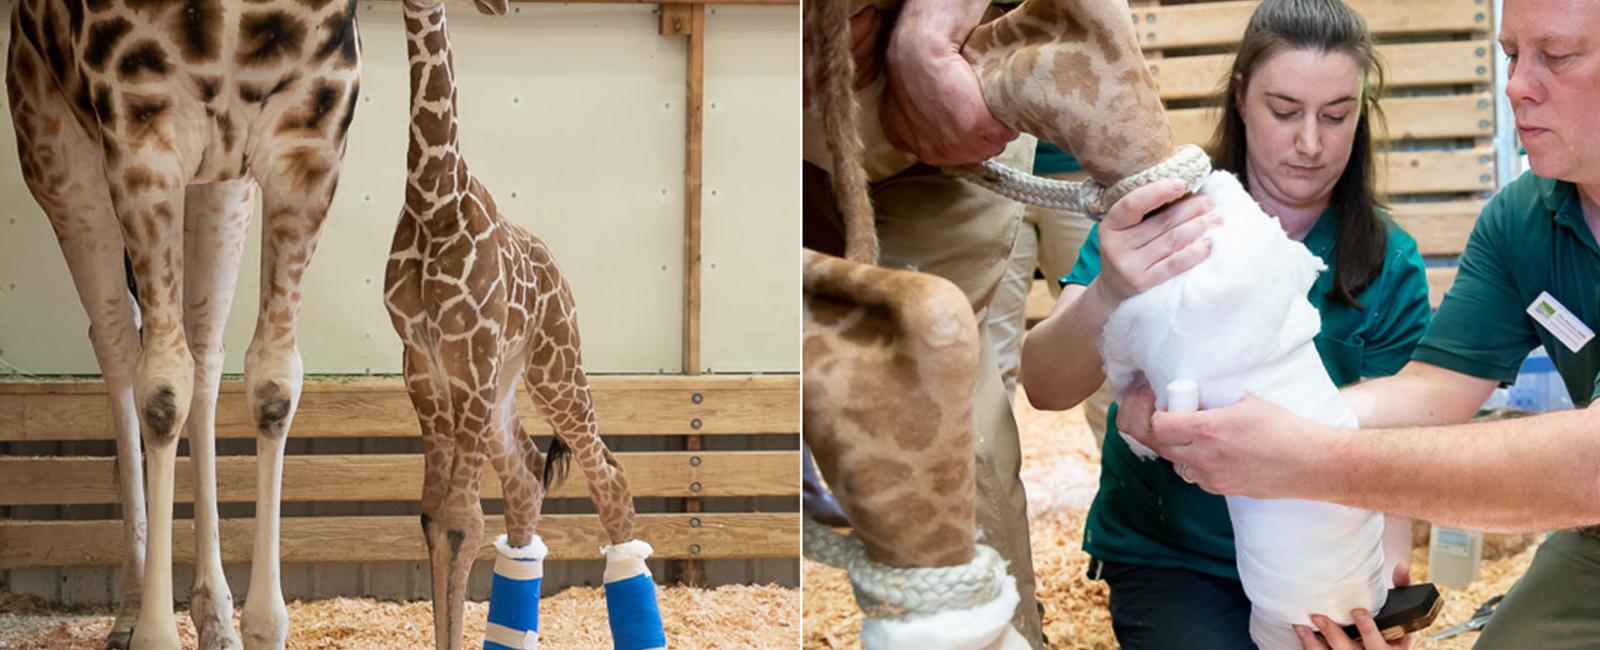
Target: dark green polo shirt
[
  {"x": 1145, "y": 515},
  {"x": 1530, "y": 238}
]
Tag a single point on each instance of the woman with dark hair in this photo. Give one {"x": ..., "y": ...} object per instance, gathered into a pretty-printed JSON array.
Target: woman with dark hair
[{"x": 1299, "y": 115}]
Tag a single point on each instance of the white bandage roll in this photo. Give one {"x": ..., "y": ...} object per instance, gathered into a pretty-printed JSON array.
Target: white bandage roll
[{"x": 1239, "y": 323}]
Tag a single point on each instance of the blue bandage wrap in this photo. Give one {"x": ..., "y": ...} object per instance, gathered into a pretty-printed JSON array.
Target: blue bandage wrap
[
  {"x": 514, "y": 600},
  {"x": 635, "y": 617}
]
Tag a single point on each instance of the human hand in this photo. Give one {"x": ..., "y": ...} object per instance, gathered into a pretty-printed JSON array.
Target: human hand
[
  {"x": 1251, "y": 448},
  {"x": 1143, "y": 244},
  {"x": 1133, "y": 413},
  {"x": 933, "y": 107},
  {"x": 1334, "y": 638}
]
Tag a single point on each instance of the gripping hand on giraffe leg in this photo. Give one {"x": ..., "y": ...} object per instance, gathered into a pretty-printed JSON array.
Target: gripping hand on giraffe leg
[
  {"x": 514, "y": 596},
  {"x": 631, "y": 598}
]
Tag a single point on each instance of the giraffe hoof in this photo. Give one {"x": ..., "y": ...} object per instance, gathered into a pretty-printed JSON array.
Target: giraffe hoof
[
  {"x": 272, "y": 410},
  {"x": 161, "y": 413},
  {"x": 119, "y": 639},
  {"x": 213, "y": 620}
]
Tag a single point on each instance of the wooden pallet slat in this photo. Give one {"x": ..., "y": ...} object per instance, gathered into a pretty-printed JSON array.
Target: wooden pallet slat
[
  {"x": 1424, "y": 172},
  {"x": 398, "y": 477},
  {"x": 1409, "y": 118},
  {"x": 1440, "y": 228},
  {"x": 385, "y": 539},
  {"x": 1408, "y": 64},
  {"x": 1221, "y": 23},
  {"x": 380, "y": 408}
]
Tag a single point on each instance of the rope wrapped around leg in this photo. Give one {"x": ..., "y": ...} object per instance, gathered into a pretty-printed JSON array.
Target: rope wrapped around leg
[
  {"x": 966, "y": 607},
  {"x": 1190, "y": 163}
]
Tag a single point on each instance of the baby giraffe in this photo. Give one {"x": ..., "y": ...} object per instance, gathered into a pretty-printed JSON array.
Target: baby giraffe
[{"x": 478, "y": 303}]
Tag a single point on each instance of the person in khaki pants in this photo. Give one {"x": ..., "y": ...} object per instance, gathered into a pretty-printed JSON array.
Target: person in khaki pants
[{"x": 1048, "y": 241}]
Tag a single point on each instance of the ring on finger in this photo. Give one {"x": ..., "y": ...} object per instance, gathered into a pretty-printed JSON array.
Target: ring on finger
[{"x": 1183, "y": 472}]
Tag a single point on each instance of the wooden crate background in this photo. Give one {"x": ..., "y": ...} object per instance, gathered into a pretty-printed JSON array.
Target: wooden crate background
[
  {"x": 352, "y": 474},
  {"x": 1439, "y": 163}
]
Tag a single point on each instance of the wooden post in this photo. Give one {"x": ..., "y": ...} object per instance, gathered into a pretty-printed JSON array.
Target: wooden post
[{"x": 690, "y": 20}]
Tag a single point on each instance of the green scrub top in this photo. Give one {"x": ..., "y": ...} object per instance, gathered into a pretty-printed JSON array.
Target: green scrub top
[
  {"x": 1145, "y": 515},
  {"x": 1531, "y": 238}
]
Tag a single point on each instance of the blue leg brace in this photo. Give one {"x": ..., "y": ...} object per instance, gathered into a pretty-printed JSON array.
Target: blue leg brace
[
  {"x": 631, "y": 598},
  {"x": 514, "y": 597}
]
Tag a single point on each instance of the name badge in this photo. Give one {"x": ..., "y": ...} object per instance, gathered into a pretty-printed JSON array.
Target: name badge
[{"x": 1555, "y": 318}]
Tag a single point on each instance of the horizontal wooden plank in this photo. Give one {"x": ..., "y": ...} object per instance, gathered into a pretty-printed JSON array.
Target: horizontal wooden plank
[
  {"x": 332, "y": 408},
  {"x": 1408, "y": 118},
  {"x": 1439, "y": 280},
  {"x": 1408, "y": 64},
  {"x": 398, "y": 477},
  {"x": 383, "y": 539},
  {"x": 1221, "y": 23},
  {"x": 1440, "y": 228},
  {"x": 1424, "y": 172}
]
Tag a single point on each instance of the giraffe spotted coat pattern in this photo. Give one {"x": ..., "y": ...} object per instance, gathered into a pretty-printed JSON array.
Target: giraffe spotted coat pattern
[
  {"x": 146, "y": 127},
  {"x": 479, "y": 304}
]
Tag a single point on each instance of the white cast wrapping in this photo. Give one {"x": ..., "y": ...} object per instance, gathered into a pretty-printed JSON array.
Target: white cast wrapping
[{"x": 1239, "y": 323}]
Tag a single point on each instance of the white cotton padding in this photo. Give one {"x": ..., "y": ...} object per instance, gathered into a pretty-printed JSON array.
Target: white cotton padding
[
  {"x": 1237, "y": 323},
  {"x": 535, "y": 550},
  {"x": 985, "y": 627},
  {"x": 626, "y": 560}
]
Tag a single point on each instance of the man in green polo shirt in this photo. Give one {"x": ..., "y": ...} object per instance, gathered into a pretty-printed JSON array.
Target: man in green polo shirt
[{"x": 1530, "y": 276}]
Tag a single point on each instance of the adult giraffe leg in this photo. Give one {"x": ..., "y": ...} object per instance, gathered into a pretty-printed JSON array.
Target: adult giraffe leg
[
  {"x": 297, "y": 185},
  {"x": 147, "y": 192},
  {"x": 216, "y": 218},
  {"x": 63, "y": 169}
]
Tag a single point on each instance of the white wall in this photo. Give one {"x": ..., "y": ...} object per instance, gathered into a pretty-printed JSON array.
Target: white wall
[{"x": 573, "y": 115}]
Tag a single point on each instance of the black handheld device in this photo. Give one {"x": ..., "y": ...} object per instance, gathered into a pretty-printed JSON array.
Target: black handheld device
[{"x": 1407, "y": 610}]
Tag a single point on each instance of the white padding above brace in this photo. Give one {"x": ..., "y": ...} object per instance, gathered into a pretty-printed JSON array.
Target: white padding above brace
[
  {"x": 626, "y": 560},
  {"x": 535, "y": 550}
]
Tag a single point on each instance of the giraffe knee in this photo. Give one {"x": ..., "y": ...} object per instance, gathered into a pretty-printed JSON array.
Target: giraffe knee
[
  {"x": 161, "y": 415},
  {"x": 272, "y": 411},
  {"x": 455, "y": 537}
]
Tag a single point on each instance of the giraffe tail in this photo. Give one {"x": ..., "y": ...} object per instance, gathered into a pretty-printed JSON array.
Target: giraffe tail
[{"x": 556, "y": 461}]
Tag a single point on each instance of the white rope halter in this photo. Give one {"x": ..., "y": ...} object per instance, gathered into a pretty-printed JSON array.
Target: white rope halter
[
  {"x": 888, "y": 592},
  {"x": 1190, "y": 163}
]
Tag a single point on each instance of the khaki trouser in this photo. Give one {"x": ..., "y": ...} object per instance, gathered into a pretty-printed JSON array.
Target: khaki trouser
[
  {"x": 1556, "y": 604},
  {"x": 1048, "y": 241},
  {"x": 935, "y": 224}
]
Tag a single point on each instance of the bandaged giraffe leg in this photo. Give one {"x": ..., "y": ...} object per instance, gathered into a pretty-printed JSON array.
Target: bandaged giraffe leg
[
  {"x": 631, "y": 598},
  {"x": 962, "y": 607},
  {"x": 514, "y": 596}
]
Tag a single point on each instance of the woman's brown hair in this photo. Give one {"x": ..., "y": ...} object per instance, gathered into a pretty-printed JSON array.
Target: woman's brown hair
[{"x": 1320, "y": 26}]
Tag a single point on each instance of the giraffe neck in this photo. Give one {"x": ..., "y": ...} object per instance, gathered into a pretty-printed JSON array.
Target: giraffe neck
[{"x": 436, "y": 175}]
